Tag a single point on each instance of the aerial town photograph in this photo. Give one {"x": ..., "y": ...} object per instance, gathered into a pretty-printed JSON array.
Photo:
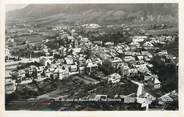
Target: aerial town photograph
[{"x": 91, "y": 57}]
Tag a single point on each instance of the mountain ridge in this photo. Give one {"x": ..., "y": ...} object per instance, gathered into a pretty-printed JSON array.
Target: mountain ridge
[{"x": 97, "y": 13}]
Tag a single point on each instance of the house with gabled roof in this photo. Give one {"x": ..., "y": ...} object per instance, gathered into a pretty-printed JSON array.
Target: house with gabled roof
[
  {"x": 139, "y": 38},
  {"x": 148, "y": 45}
]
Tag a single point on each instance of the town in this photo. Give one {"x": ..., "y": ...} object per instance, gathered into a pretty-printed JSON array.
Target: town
[{"x": 91, "y": 67}]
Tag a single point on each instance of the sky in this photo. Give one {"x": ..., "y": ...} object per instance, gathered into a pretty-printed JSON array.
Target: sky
[{"x": 11, "y": 7}]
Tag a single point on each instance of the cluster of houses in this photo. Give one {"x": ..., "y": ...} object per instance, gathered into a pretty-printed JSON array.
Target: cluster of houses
[
  {"x": 82, "y": 56},
  {"x": 91, "y": 26}
]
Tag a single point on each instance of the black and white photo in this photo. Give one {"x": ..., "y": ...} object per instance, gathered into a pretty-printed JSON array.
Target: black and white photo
[{"x": 92, "y": 57}]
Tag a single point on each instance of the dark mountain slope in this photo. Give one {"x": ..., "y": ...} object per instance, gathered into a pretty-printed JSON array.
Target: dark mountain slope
[{"x": 98, "y": 13}]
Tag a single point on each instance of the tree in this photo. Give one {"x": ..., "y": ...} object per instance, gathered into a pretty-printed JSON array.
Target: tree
[
  {"x": 107, "y": 67},
  {"x": 88, "y": 53},
  {"x": 14, "y": 75},
  {"x": 167, "y": 73}
]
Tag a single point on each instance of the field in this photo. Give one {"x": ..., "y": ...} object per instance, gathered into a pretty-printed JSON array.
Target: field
[{"x": 30, "y": 38}]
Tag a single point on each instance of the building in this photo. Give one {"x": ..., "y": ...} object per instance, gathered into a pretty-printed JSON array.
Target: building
[
  {"x": 109, "y": 44},
  {"x": 143, "y": 68},
  {"x": 129, "y": 59},
  {"x": 63, "y": 72},
  {"x": 45, "y": 61},
  {"x": 73, "y": 70},
  {"x": 148, "y": 45},
  {"x": 144, "y": 98},
  {"x": 90, "y": 65},
  {"x": 85, "y": 40},
  {"x": 165, "y": 98},
  {"x": 70, "y": 38},
  {"x": 152, "y": 81},
  {"x": 163, "y": 53},
  {"x": 93, "y": 26},
  {"x": 7, "y": 53},
  {"x": 157, "y": 83},
  {"x": 10, "y": 86},
  {"x": 76, "y": 51},
  {"x": 140, "y": 57},
  {"x": 133, "y": 71},
  {"x": 116, "y": 61},
  {"x": 62, "y": 51},
  {"x": 69, "y": 60},
  {"x": 114, "y": 78},
  {"x": 139, "y": 38}
]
